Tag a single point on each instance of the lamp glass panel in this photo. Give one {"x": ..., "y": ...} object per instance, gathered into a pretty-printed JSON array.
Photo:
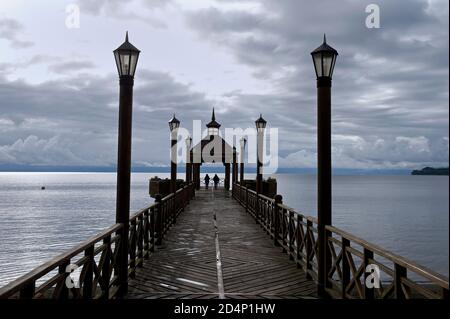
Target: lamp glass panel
[
  {"x": 133, "y": 63},
  {"x": 318, "y": 64},
  {"x": 327, "y": 63},
  {"x": 117, "y": 57},
  {"x": 125, "y": 62}
]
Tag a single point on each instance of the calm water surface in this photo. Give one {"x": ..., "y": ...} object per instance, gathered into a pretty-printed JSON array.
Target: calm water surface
[{"x": 408, "y": 215}]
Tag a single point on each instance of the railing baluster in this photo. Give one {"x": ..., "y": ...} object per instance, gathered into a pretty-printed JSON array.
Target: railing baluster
[
  {"x": 62, "y": 270},
  {"x": 159, "y": 220},
  {"x": 146, "y": 234},
  {"x": 89, "y": 277},
  {"x": 300, "y": 240},
  {"x": 152, "y": 229},
  {"x": 278, "y": 199},
  {"x": 246, "y": 200},
  {"x": 283, "y": 230},
  {"x": 399, "y": 273},
  {"x": 140, "y": 240},
  {"x": 308, "y": 248},
  {"x": 106, "y": 275},
  {"x": 132, "y": 248},
  {"x": 291, "y": 235},
  {"x": 368, "y": 292}
]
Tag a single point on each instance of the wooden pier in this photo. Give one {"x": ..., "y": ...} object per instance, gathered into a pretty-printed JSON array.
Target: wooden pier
[
  {"x": 216, "y": 250},
  {"x": 224, "y": 244}
]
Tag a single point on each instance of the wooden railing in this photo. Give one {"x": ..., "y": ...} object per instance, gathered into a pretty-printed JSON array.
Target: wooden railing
[
  {"x": 89, "y": 270},
  {"x": 348, "y": 255}
]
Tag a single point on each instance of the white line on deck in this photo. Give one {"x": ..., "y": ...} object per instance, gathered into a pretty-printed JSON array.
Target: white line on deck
[{"x": 220, "y": 285}]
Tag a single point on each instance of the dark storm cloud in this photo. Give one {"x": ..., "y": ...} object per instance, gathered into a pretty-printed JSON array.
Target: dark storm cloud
[
  {"x": 390, "y": 88},
  {"x": 390, "y": 94},
  {"x": 71, "y": 66},
  {"x": 74, "y": 121}
]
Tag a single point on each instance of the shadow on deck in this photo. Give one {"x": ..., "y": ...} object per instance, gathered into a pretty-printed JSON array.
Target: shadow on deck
[{"x": 216, "y": 250}]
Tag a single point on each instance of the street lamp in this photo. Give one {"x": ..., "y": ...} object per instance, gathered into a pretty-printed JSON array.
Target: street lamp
[
  {"x": 324, "y": 58},
  {"x": 126, "y": 59},
  {"x": 260, "y": 127},
  {"x": 174, "y": 124},
  {"x": 188, "y": 159},
  {"x": 243, "y": 141}
]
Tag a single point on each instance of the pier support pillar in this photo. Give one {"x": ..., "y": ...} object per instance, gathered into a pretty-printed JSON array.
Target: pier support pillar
[{"x": 227, "y": 176}]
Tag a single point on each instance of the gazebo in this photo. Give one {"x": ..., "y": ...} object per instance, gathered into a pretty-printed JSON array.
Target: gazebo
[{"x": 213, "y": 149}]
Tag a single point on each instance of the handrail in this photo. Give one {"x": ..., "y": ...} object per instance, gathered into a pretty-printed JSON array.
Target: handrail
[
  {"x": 99, "y": 268},
  {"x": 433, "y": 276},
  {"x": 297, "y": 235},
  {"x": 61, "y": 259}
]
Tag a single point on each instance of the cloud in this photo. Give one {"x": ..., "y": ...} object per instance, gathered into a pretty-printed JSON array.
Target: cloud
[
  {"x": 390, "y": 87},
  {"x": 71, "y": 66},
  {"x": 12, "y": 31},
  {"x": 73, "y": 121},
  {"x": 115, "y": 9},
  {"x": 390, "y": 84}
]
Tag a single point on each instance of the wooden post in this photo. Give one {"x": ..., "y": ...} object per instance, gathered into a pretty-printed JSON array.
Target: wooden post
[
  {"x": 345, "y": 268},
  {"x": 309, "y": 248},
  {"x": 399, "y": 273},
  {"x": 300, "y": 239},
  {"x": 278, "y": 199},
  {"x": 106, "y": 274},
  {"x": 152, "y": 230},
  {"x": 227, "y": 176},
  {"x": 368, "y": 292},
  {"x": 133, "y": 248},
  {"x": 246, "y": 199},
  {"x": 291, "y": 235},
  {"x": 89, "y": 276},
  {"x": 62, "y": 270},
  {"x": 27, "y": 292},
  {"x": 241, "y": 171},
  {"x": 159, "y": 220},
  {"x": 234, "y": 174},
  {"x": 146, "y": 233}
]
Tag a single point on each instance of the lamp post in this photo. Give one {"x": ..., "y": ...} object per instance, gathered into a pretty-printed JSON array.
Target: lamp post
[
  {"x": 324, "y": 58},
  {"x": 243, "y": 141},
  {"x": 260, "y": 127},
  {"x": 126, "y": 60},
  {"x": 174, "y": 124},
  {"x": 188, "y": 159}
]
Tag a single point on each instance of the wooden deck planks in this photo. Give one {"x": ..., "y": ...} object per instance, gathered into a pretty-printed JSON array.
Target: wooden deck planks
[{"x": 185, "y": 265}]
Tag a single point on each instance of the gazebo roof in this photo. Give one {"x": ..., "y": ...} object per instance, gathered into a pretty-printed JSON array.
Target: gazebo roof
[
  {"x": 213, "y": 123},
  {"x": 215, "y": 145}
]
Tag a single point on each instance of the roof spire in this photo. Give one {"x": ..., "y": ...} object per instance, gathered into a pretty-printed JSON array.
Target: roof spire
[
  {"x": 324, "y": 38},
  {"x": 213, "y": 117},
  {"x": 126, "y": 37}
]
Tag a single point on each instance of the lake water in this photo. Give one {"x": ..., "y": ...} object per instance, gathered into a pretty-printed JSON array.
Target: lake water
[{"x": 408, "y": 215}]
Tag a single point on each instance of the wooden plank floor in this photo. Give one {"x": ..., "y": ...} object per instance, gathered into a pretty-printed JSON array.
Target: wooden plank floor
[{"x": 216, "y": 250}]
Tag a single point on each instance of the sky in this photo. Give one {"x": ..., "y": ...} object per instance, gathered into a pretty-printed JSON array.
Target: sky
[{"x": 59, "y": 83}]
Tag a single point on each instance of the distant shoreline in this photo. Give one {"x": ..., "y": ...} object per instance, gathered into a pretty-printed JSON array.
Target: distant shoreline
[
  {"x": 441, "y": 171},
  {"x": 181, "y": 169}
]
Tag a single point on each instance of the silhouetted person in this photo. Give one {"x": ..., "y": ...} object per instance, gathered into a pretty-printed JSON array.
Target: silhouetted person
[
  {"x": 216, "y": 181},
  {"x": 207, "y": 180}
]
